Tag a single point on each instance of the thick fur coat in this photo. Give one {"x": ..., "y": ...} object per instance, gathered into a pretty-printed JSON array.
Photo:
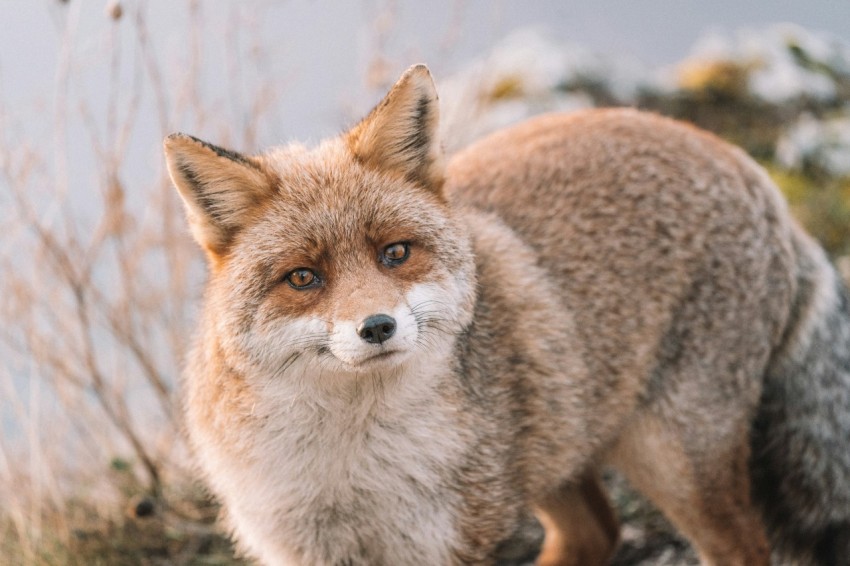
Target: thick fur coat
[{"x": 606, "y": 287}]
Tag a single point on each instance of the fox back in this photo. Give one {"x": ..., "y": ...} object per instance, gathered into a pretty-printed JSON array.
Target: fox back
[
  {"x": 668, "y": 243},
  {"x": 404, "y": 362}
]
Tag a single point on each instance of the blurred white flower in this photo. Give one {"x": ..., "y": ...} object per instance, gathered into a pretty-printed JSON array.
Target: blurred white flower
[
  {"x": 825, "y": 144},
  {"x": 526, "y": 74},
  {"x": 782, "y": 62}
]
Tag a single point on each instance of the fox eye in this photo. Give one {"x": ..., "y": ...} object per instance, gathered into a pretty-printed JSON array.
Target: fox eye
[
  {"x": 302, "y": 278},
  {"x": 395, "y": 254}
]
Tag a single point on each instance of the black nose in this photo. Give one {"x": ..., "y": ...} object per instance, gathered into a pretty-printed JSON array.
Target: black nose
[{"x": 377, "y": 328}]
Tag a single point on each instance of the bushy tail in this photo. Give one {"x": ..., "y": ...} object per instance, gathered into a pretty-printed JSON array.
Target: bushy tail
[{"x": 801, "y": 436}]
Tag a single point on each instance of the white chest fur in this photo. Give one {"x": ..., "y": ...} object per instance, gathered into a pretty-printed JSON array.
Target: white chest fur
[{"x": 360, "y": 476}]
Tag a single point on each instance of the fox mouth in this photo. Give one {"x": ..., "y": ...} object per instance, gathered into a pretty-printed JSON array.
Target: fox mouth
[
  {"x": 377, "y": 357},
  {"x": 376, "y": 360}
]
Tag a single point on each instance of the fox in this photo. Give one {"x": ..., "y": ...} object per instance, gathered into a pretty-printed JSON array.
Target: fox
[{"x": 405, "y": 358}]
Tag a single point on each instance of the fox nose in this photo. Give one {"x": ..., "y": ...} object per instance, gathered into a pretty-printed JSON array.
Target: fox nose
[{"x": 377, "y": 328}]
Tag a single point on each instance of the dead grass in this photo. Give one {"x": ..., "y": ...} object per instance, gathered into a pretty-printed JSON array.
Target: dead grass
[{"x": 100, "y": 279}]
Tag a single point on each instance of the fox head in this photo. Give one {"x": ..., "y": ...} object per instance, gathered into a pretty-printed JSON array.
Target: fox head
[{"x": 334, "y": 261}]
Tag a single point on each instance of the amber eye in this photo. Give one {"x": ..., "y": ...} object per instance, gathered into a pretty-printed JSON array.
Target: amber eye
[
  {"x": 301, "y": 278},
  {"x": 395, "y": 254}
]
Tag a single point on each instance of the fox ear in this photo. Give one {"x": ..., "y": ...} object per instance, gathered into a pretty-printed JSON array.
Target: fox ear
[
  {"x": 219, "y": 187},
  {"x": 400, "y": 134}
]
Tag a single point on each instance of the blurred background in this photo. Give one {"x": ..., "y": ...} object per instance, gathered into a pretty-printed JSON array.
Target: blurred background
[{"x": 99, "y": 281}]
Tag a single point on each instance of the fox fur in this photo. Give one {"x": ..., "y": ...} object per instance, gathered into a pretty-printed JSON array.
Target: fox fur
[{"x": 607, "y": 287}]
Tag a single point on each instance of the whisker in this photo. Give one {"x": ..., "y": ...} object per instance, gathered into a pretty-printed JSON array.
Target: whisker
[
  {"x": 287, "y": 363},
  {"x": 446, "y": 326},
  {"x": 306, "y": 338},
  {"x": 422, "y": 304}
]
